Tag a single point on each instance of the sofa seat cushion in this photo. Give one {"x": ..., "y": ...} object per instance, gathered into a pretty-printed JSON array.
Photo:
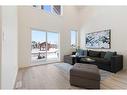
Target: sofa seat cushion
[{"x": 88, "y": 71}]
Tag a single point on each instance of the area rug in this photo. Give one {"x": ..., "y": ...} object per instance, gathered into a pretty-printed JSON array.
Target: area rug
[{"x": 65, "y": 67}]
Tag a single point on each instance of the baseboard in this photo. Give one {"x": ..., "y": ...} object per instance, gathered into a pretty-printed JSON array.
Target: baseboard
[
  {"x": 31, "y": 65},
  {"x": 23, "y": 65}
]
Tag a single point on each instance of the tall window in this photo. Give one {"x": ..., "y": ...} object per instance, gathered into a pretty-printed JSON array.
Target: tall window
[{"x": 74, "y": 39}]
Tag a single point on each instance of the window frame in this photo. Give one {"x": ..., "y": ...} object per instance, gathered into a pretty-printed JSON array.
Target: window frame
[
  {"x": 37, "y": 29},
  {"x": 52, "y": 10}
]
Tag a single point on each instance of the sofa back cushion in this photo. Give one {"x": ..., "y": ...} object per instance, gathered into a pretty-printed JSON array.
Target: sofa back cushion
[
  {"x": 94, "y": 53},
  {"x": 102, "y": 54}
]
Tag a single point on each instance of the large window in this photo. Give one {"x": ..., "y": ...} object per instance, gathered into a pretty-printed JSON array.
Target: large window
[
  {"x": 52, "y": 9},
  {"x": 74, "y": 39},
  {"x": 44, "y": 46}
]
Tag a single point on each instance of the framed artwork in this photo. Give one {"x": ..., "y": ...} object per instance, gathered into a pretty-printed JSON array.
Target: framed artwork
[{"x": 100, "y": 39}]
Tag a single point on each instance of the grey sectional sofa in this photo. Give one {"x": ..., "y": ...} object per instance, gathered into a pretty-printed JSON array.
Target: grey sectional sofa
[{"x": 114, "y": 64}]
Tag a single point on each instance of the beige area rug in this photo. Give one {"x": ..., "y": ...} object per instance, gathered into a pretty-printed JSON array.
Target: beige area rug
[{"x": 65, "y": 67}]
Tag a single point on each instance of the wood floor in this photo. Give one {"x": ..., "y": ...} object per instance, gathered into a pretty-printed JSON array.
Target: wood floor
[{"x": 50, "y": 77}]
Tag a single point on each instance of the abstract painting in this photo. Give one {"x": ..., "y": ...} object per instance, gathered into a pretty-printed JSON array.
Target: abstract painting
[{"x": 100, "y": 39}]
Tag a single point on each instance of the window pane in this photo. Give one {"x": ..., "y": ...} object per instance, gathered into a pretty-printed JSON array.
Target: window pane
[
  {"x": 73, "y": 39},
  {"x": 52, "y": 41},
  {"x": 57, "y": 9},
  {"x": 47, "y": 8},
  {"x": 38, "y": 46}
]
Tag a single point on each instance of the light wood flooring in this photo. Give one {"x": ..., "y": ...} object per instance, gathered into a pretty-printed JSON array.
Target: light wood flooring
[{"x": 50, "y": 77}]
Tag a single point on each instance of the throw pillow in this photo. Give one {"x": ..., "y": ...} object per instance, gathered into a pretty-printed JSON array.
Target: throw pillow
[
  {"x": 80, "y": 52},
  {"x": 102, "y": 54},
  {"x": 108, "y": 55}
]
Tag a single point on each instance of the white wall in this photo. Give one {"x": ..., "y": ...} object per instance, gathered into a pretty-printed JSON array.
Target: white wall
[
  {"x": 100, "y": 18},
  {"x": 30, "y": 17},
  {"x": 9, "y": 47}
]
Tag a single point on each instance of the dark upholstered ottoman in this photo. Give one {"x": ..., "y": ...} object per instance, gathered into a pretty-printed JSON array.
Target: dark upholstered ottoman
[{"x": 85, "y": 76}]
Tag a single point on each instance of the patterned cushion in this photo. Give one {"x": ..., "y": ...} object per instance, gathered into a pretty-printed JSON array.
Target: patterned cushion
[
  {"x": 108, "y": 55},
  {"x": 81, "y": 52}
]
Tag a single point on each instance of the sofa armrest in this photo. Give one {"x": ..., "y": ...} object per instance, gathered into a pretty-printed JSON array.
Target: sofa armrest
[
  {"x": 73, "y": 53},
  {"x": 116, "y": 63}
]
